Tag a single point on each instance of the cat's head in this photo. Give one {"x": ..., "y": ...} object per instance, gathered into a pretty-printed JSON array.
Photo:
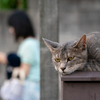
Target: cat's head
[{"x": 69, "y": 56}]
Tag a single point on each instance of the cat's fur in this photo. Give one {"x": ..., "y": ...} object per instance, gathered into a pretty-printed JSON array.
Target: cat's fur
[{"x": 86, "y": 53}]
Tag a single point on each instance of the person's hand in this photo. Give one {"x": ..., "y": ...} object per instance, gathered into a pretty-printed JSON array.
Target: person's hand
[{"x": 3, "y": 58}]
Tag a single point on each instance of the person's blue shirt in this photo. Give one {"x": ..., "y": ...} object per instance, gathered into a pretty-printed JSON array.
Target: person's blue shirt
[{"x": 29, "y": 52}]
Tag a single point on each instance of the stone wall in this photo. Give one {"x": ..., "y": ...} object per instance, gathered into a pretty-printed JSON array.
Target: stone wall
[{"x": 78, "y": 17}]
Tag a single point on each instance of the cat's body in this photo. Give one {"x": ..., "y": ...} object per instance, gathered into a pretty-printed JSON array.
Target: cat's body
[
  {"x": 93, "y": 52},
  {"x": 80, "y": 54}
]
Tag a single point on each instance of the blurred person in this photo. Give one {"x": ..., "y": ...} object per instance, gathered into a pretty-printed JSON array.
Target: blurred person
[{"x": 20, "y": 26}]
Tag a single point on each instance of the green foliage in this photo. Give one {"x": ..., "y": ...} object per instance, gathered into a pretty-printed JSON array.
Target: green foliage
[
  {"x": 13, "y": 4},
  {"x": 22, "y": 4}
]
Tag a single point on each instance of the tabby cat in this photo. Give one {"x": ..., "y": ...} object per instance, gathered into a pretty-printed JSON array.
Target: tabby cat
[{"x": 80, "y": 54}]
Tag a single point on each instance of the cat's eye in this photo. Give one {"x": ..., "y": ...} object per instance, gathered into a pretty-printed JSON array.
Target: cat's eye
[
  {"x": 70, "y": 58},
  {"x": 57, "y": 60}
]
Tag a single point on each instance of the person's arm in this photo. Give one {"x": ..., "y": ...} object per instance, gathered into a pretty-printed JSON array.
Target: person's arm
[
  {"x": 27, "y": 52},
  {"x": 3, "y": 58},
  {"x": 25, "y": 68}
]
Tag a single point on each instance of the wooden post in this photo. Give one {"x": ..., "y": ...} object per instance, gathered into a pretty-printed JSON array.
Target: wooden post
[
  {"x": 49, "y": 29},
  {"x": 81, "y": 85}
]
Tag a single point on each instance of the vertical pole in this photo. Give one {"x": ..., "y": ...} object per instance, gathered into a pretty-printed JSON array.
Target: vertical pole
[{"x": 49, "y": 29}]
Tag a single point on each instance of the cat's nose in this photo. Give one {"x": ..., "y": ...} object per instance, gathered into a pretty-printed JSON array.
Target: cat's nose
[{"x": 63, "y": 69}]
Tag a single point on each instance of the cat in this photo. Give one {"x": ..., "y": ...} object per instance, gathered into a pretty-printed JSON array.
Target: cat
[{"x": 80, "y": 54}]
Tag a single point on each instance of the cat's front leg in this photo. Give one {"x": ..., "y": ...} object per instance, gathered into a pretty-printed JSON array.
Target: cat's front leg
[
  {"x": 81, "y": 67},
  {"x": 69, "y": 70}
]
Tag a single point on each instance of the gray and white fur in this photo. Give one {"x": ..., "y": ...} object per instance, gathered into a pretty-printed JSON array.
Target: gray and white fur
[{"x": 85, "y": 54}]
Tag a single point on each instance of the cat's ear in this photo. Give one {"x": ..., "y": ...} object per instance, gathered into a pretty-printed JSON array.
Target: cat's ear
[
  {"x": 81, "y": 43},
  {"x": 50, "y": 44}
]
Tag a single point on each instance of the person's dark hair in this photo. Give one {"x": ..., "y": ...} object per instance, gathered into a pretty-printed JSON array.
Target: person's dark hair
[{"x": 22, "y": 25}]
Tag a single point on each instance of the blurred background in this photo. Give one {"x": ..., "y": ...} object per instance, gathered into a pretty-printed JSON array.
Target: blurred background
[
  {"x": 7, "y": 43},
  {"x": 76, "y": 17}
]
